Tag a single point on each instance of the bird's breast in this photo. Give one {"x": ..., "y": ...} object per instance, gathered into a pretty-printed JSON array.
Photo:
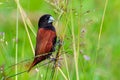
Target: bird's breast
[{"x": 44, "y": 41}]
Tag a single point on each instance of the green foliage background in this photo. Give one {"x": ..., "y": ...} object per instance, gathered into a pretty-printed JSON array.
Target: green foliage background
[{"x": 81, "y": 19}]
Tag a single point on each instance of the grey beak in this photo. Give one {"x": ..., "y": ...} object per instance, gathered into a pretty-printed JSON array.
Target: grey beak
[{"x": 51, "y": 19}]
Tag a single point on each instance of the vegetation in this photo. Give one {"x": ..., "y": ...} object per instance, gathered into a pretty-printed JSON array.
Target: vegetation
[{"x": 89, "y": 31}]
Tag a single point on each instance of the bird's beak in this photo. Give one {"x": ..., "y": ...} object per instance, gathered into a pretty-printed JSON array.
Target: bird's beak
[{"x": 51, "y": 19}]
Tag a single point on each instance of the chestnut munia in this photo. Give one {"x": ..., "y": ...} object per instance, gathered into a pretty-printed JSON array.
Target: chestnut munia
[{"x": 46, "y": 39}]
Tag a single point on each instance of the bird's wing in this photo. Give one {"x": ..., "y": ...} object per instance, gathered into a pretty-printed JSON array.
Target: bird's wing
[{"x": 45, "y": 39}]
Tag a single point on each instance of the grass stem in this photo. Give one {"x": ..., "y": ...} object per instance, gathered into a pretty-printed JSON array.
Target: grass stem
[{"x": 16, "y": 53}]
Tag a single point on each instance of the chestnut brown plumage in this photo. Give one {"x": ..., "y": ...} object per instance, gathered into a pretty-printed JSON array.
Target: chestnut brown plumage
[{"x": 45, "y": 41}]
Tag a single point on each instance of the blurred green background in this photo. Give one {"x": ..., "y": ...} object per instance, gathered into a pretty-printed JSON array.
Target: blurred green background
[{"x": 86, "y": 15}]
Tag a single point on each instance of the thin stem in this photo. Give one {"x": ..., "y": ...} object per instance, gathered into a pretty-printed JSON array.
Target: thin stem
[
  {"x": 15, "y": 75},
  {"x": 27, "y": 20},
  {"x": 66, "y": 64},
  {"x": 25, "y": 60},
  {"x": 62, "y": 73},
  {"x": 74, "y": 48},
  {"x": 16, "y": 53},
  {"x": 26, "y": 70},
  {"x": 101, "y": 25},
  {"x": 23, "y": 18},
  {"x": 100, "y": 32}
]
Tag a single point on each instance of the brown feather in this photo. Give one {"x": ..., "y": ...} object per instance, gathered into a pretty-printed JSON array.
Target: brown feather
[{"x": 44, "y": 44}]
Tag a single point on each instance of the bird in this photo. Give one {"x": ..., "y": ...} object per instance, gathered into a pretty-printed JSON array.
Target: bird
[{"x": 45, "y": 40}]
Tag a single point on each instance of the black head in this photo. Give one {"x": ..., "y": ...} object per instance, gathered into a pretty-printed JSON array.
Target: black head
[{"x": 45, "y": 20}]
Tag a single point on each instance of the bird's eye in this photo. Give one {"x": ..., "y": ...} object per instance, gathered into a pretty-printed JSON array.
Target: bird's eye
[{"x": 46, "y": 18}]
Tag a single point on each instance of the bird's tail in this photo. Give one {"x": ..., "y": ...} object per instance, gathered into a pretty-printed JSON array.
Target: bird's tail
[
  {"x": 36, "y": 61},
  {"x": 32, "y": 65}
]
